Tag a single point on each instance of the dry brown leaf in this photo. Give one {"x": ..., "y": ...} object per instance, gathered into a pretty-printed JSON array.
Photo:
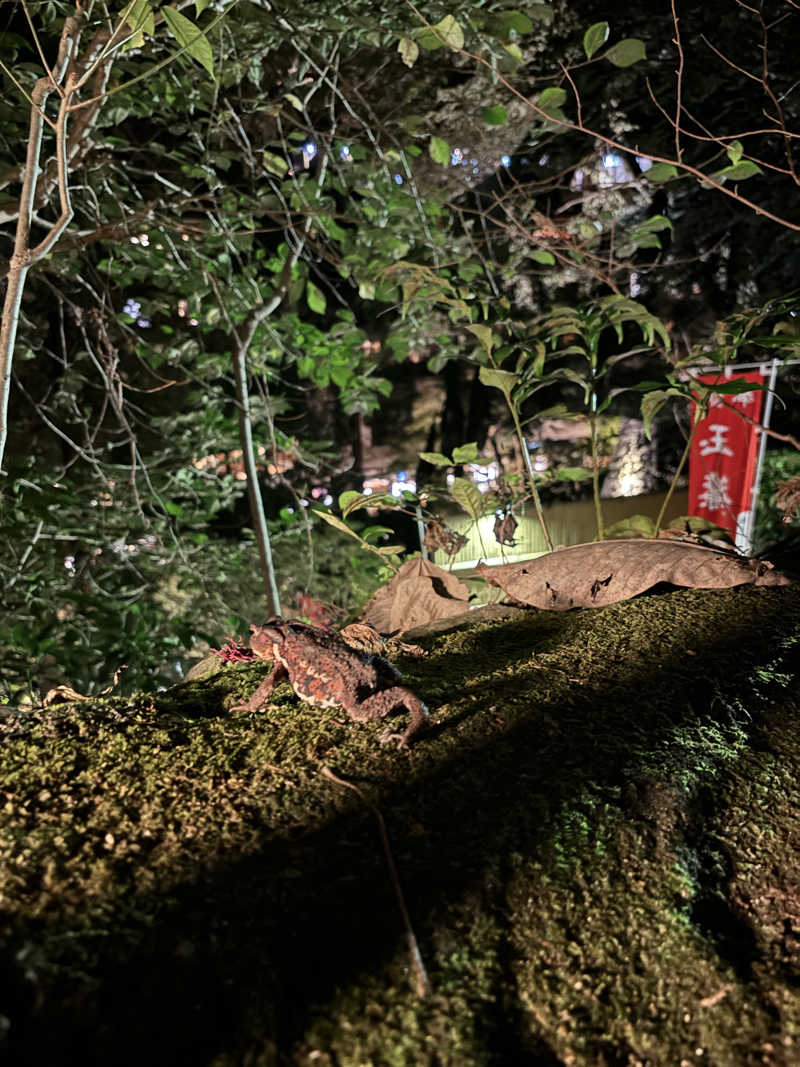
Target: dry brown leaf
[
  {"x": 61, "y": 694},
  {"x": 418, "y": 593},
  {"x": 787, "y": 499},
  {"x": 367, "y": 639},
  {"x": 605, "y": 572},
  {"x": 65, "y": 694}
]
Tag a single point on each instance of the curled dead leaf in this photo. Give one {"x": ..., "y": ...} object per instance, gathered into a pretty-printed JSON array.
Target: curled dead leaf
[
  {"x": 65, "y": 694},
  {"x": 61, "y": 694},
  {"x": 367, "y": 639},
  {"x": 437, "y": 535},
  {"x": 418, "y": 593},
  {"x": 605, "y": 572},
  {"x": 787, "y": 500}
]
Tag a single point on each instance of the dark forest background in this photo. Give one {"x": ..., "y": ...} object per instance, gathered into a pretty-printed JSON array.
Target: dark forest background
[{"x": 272, "y": 246}]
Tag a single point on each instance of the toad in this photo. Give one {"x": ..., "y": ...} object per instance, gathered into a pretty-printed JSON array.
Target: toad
[{"x": 327, "y": 672}]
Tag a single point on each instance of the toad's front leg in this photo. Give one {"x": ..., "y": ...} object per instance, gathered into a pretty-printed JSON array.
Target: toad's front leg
[
  {"x": 380, "y": 704},
  {"x": 261, "y": 696}
]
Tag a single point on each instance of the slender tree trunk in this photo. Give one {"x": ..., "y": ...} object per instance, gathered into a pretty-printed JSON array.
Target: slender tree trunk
[
  {"x": 23, "y": 256},
  {"x": 253, "y": 490}
]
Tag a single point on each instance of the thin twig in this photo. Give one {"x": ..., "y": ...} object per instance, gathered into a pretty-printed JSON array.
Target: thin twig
[
  {"x": 579, "y": 127},
  {"x": 38, "y": 44},
  {"x": 787, "y": 437},
  {"x": 679, "y": 83},
  {"x": 417, "y": 965}
]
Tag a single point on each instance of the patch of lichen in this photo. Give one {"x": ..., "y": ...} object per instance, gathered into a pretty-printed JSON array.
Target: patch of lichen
[{"x": 597, "y": 841}]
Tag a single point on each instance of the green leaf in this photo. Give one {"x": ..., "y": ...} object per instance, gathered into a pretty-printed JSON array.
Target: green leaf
[
  {"x": 190, "y": 37},
  {"x": 635, "y": 526},
  {"x": 594, "y": 38},
  {"x": 484, "y": 335},
  {"x": 436, "y": 458},
  {"x": 391, "y": 550},
  {"x": 409, "y": 51},
  {"x": 746, "y": 168},
  {"x": 552, "y": 99},
  {"x": 626, "y": 52},
  {"x": 274, "y": 164},
  {"x": 652, "y": 403},
  {"x": 571, "y": 474},
  {"x": 427, "y": 39},
  {"x": 540, "y": 256},
  {"x": 469, "y": 497},
  {"x": 439, "y": 150},
  {"x": 334, "y": 520},
  {"x": 654, "y": 224},
  {"x": 200, "y": 6},
  {"x": 495, "y": 116},
  {"x": 447, "y": 32},
  {"x": 466, "y": 453},
  {"x": 514, "y": 21},
  {"x": 370, "y": 534},
  {"x": 349, "y": 496},
  {"x": 661, "y": 172},
  {"x": 497, "y": 379},
  {"x": 692, "y": 523},
  {"x": 450, "y": 32},
  {"x": 294, "y": 100},
  {"x": 316, "y": 298},
  {"x": 735, "y": 151},
  {"x": 139, "y": 16}
]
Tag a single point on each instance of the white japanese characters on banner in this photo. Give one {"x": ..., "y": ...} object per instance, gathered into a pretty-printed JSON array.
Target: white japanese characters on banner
[{"x": 722, "y": 461}]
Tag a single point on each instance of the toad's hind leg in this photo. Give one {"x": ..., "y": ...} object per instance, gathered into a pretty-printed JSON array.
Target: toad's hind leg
[{"x": 380, "y": 704}]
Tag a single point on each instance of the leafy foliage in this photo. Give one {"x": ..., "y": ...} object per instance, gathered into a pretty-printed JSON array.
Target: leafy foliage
[{"x": 251, "y": 175}]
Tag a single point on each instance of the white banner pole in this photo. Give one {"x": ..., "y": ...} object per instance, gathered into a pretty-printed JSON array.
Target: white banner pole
[{"x": 747, "y": 546}]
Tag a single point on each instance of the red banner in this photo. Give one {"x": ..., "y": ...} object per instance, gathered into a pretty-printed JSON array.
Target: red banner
[{"x": 722, "y": 462}]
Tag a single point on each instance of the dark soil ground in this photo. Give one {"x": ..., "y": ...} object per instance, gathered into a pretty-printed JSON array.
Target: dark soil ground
[{"x": 598, "y": 841}]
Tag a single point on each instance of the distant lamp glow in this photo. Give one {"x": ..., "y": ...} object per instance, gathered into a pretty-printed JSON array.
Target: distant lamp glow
[
  {"x": 644, "y": 163},
  {"x": 505, "y": 161},
  {"x": 309, "y": 149},
  {"x": 398, "y": 179},
  {"x": 610, "y": 160},
  {"x": 345, "y": 154}
]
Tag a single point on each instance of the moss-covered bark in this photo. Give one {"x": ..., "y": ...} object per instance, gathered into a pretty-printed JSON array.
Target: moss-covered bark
[{"x": 598, "y": 839}]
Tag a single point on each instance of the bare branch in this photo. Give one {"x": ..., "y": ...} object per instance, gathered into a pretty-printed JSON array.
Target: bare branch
[
  {"x": 38, "y": 44},
  {"x": 678, "y": 81}
]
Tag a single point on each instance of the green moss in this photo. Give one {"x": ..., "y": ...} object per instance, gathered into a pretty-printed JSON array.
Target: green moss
[{"x": 597, "y": 841}]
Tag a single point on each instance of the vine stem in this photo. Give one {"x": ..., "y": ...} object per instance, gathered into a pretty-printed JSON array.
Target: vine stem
[
  {"x": 598, "y": 507},
  {"x": 537, "y": 503},
  {"x": 696, "y": 422},
  {"x": 422, "y": 981}
]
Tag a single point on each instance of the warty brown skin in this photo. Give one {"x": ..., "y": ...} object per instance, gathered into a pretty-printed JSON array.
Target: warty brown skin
[{"x": 327, "y": 672}]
